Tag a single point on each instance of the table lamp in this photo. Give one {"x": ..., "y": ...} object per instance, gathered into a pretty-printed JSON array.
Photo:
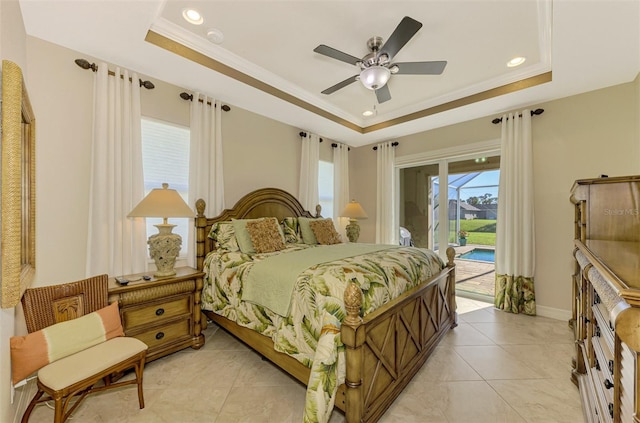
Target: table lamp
[
  {"x": 353, "y": 211},
  {"x": 165, "y": 245}
]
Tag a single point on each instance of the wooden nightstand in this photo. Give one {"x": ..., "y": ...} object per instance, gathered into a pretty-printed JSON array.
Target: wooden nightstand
[{"x": 163, "y": 313}]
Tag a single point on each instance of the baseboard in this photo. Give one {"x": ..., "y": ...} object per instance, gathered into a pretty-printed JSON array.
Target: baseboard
[
  {"x": 553, "y": 313},
  {"x": 550, "y": 312}
]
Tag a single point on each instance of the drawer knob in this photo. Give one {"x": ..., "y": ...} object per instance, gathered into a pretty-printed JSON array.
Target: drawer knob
[
  {"x": 160, "y": 312},
  {"x": 608, "y": 384},
  {"x": 159, "y": 335}
]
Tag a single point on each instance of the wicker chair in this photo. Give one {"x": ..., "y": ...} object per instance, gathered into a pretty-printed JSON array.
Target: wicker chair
[{"x": 78, "y": 374}]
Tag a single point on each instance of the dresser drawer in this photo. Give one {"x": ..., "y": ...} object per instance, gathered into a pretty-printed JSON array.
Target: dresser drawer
[
  {"x": 160, "y": 335},
  {"x": 157, "y": 312}
]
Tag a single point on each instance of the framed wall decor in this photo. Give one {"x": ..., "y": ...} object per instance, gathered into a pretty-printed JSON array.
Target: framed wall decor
[{"x": 18, "y": 187}]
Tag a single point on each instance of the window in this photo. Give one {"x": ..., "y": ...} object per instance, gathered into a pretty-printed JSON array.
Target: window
[
  {"x": 165, "y": 158},
  {"x": 325, "y": 188}
]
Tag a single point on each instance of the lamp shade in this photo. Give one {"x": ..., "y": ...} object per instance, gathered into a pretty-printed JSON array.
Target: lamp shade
[
  {"x": 162, "y": 202},
  {"x": 354, "y": 210}
]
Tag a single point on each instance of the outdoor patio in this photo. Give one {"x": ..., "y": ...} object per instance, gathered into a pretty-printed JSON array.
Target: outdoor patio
[{"x": 472, "y": 276}]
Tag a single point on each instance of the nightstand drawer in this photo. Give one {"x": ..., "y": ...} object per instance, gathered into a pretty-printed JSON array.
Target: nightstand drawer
[
  {"x": 166, "y": 333},
  {"x": 157, "y": 312},
  {"x": 164, "y": 313}
]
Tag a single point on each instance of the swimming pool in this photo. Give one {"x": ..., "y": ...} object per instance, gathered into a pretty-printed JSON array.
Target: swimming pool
[{"x": 480, "y": 254}]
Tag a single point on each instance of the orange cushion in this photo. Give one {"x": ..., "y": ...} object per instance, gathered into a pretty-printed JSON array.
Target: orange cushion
[{"x": 35, "y": 350}]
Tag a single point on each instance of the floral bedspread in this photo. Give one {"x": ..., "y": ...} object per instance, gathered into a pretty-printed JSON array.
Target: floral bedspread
[{"x": 311, "y": 331}]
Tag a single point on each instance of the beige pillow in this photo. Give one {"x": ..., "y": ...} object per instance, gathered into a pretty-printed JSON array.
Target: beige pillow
[
  {"x": 265, "y": 235},
  {"x": 35, "y": 350},
  {"x": 325, "y": 232}
]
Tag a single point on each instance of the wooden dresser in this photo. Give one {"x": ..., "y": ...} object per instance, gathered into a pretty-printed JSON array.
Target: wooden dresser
[
  {"x": 164, "y": 313},
  {"x": 606, "y": 287}
]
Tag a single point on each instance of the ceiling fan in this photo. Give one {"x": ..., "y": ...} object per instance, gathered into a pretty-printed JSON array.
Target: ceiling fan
[{"x": 376, "y": 67}]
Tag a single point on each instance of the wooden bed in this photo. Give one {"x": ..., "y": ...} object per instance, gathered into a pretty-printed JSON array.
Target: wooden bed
[{"x": 383, "y": 351}]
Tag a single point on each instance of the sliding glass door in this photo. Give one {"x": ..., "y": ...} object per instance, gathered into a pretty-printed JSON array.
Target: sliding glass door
[{"x": 453, "y": 202}]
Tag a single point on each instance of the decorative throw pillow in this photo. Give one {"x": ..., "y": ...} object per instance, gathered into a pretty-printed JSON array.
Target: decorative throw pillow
[
  {"x": 325, "y": 232},
  {"x": 224, "y": 236},
  {"x": 32, "y": 352},
  {"x": 308, "y": 237},
  {"x": 265, "y": 235},
  {"x": 242, "y": 236},
  {"x": 291, "y": 230}
]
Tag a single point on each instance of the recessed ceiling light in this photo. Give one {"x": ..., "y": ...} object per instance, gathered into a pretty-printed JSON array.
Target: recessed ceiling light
[
  {"x": 367, "y": 113},
  {"x": 516, "y": 61},
  {"x": 192, "y": 16}
]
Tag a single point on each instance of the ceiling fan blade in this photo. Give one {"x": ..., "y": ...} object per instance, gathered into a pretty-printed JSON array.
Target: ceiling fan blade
[
  {"x": 383, "y": 94},
  {"x": 405, "y": 30},
  {"x": 420, "y": 68},
  {"x": 339, "y": 85},
  {"x": 336, "y": 54}
]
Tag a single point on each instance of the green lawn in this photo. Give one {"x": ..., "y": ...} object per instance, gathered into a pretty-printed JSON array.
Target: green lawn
[{"x": 481, "y": 231}]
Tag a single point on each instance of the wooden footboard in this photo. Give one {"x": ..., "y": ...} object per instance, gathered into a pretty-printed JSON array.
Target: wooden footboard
[
  {"x": 388, "y": 347},
  {"x": 383, "y": 351}
]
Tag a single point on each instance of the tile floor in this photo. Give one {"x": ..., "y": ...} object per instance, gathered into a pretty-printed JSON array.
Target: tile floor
[{"x": 494, "y": 367}]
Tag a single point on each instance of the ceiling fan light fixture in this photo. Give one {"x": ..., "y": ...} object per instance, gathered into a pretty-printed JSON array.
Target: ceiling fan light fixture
[
  {"x": 375, "y": 77},
  {"x": 192, "y": 16}
]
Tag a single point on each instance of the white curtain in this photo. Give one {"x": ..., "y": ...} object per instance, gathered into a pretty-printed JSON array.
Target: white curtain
[
  {"x": 515, "y": 243},
  {"x": 308, "y": 191},
  {"x": 340, "y": 184},
  {"x": 116, "y": 245},
  {"x": 205, "y": 161},
  {"x": 386, "y": 226}
]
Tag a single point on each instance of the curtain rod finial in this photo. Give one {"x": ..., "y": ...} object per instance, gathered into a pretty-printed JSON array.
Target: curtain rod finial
[
  {"x": 186, "y": 96},
  {"x": 147, "y": 84},
  {"x": 84, "y": 64}
]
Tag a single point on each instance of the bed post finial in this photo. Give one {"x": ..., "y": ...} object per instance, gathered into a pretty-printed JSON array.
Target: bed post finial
[
  {"x": 451, "y": 254},
  {"x": 318, "y": 210},
  {"x": 352, "y": 304},
  {"x": 200, "y": 206}
]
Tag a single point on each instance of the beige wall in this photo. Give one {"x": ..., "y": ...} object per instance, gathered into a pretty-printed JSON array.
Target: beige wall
[
  {"x": 258, "y": 152},
  {"x": 577, "y": 137},
  {"x": 13, "y": 48}
]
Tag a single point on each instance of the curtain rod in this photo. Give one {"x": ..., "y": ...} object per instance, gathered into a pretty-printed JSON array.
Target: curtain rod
[
  {"x": 393, "y": 144},
  {"x": 304, "y": 135},
  {"x": 84, "y": 64},
  {"x": 533, "y": 113},
  {"x": 187, "y": 96}
]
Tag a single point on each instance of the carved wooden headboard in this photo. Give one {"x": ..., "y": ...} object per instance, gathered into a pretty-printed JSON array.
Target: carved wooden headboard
[{"x": 264, "y": 202}]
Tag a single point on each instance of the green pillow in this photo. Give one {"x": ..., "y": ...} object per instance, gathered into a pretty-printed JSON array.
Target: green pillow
[
  {"x": 244, "y": 238},
  {"x": 242, "y": 235},
  {"x": 308, "y": 237}
]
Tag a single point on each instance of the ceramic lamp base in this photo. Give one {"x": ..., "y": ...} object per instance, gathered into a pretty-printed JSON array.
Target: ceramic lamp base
[
  {"x": 164, "y": 248},
  {"x": 353, "y": 230}
]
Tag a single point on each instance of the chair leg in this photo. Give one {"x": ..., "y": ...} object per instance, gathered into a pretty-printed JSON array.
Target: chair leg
[
  {"x": 32, "y": 404},
  {"x": 139, "y": 368},
  {"x": 58, "y": 416}
]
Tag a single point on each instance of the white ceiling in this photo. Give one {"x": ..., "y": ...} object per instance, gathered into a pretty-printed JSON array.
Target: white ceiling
[{"x": 271, "y": 68}]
